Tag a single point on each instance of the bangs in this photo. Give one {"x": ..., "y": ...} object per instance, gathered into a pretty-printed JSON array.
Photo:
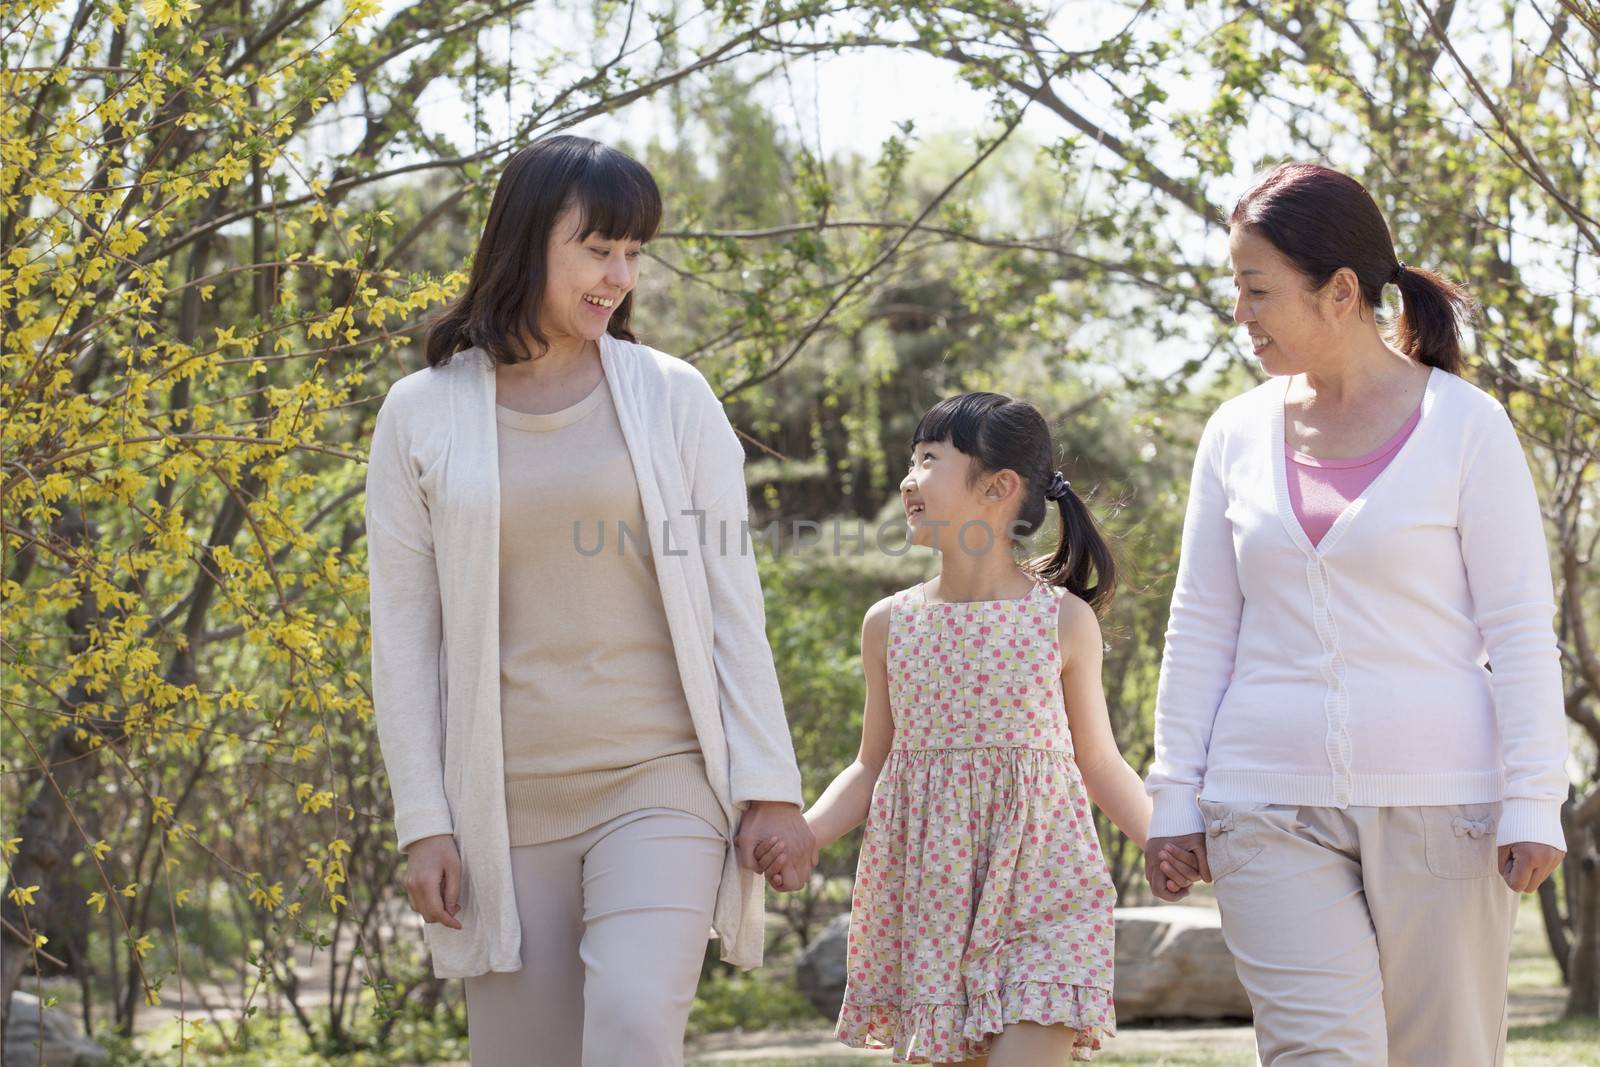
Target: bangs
[
  {"x": 958, "y": 421},
  {"x": 616, "y": 198}
]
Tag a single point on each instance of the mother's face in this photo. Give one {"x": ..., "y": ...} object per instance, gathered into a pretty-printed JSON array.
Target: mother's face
[
  {"x": 1283, "y": 315},
  {"x": 586, "y": 277}
]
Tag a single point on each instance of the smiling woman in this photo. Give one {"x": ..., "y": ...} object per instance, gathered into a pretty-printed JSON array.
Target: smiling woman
[
  {"x": 1362, "y": 541},
  {"x": 1301, "y": 228},
  {"x": 572, "y": 738},
  {"x": 559, "y": 254}
]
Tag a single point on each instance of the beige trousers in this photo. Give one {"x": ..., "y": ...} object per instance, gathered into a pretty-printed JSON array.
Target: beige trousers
[
  {"x": 614, "y": 928},
  {"x": 1366, "y": 936}
]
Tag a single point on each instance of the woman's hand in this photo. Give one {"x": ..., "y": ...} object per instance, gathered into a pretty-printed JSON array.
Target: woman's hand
[
  {"x": 1173, "y": 864},
  {"x": 1527, "y": 864},
  {"x": 768, "y": 820},
  {"x": 772, "y": 861},
  {"x": 433, "y": 879}
]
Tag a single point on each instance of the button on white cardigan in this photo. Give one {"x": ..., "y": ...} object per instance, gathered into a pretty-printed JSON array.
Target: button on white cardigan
[
  {"x": 1357, "y": 671},
  {"x": 433, "y": 551}
]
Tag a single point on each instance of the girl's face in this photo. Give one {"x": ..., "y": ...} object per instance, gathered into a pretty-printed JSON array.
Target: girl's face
[
  {"x": 1289, "y": 324},
  {"x": 585, "y": 280},
  {"x": 940, "y": 499}
]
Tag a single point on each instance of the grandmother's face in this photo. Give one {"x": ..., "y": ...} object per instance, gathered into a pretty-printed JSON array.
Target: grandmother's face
[
  {"x": 1283, "y": 315},
  {"x": 586, "y": 279}
]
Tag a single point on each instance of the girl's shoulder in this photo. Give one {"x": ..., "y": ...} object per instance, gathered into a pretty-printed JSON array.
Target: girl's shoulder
[
  {"x": 896, "y": 604},
  {"x": 910, "y": 594},
  {"x": 894, "y": 610},
  {"x": 1077, "y": 624},
  {"x": 876, "y": 625}
]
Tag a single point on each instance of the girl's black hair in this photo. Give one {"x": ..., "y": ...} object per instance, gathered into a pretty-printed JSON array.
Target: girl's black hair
[
  {"x": 1002, "y": 433},
  {"x": 616, "y": 198},
  {"x": 1321, "y": 220}
]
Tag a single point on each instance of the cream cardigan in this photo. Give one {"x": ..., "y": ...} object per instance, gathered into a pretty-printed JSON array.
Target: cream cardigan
[
  {"x": 1354, "y": 671},
  {"x": 433, "y": 548}
]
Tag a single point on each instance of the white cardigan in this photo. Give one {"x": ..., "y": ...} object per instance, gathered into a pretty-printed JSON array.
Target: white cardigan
[
  {"x": 433, "y": 525},
  {"x": 1353, "y": 672}
]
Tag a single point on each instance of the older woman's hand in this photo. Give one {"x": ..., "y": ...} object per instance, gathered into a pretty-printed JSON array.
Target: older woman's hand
[
  {"x": 1527, "y": 864},
  {"x": 1172, "y": 863}
]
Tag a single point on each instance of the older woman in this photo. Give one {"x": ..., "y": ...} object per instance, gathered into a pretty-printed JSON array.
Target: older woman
[
  {"x": 1359, "y": 724},
  {"x": 575, "y": 697}
]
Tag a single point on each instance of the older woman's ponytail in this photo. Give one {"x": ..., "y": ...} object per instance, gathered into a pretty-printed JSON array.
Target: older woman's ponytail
[
  {"x": 1433, "y": 312},
  {"x": 1323, "y": 221}
]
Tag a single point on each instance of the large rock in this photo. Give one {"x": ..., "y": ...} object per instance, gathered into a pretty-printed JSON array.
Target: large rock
[
  {"x": 1172, "y": 963},
  {"x": 64, "y": 1044},
  {"x": 820, "y": 973}
]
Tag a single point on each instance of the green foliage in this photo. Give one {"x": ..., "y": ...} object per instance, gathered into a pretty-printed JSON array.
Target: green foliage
[
  {"x": 222, "y": 233},
  {"x": 748, "y": 1001},
  {"x": 271, "y": 1041}
]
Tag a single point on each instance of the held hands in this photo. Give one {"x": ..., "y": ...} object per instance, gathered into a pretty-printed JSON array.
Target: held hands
[
  {"x": 1173, "y": 864},
  {"x": 433, "y": 879},
  {"x": 1527, "y": 864},
  {"x": 772, "y": 860},
  {"x": 775, "y": 840}
]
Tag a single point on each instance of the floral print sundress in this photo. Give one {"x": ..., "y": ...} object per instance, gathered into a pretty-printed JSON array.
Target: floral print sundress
[{"x": 981, "y": 896}]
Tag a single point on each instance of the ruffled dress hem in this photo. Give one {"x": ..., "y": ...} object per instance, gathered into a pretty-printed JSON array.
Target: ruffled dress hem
[{"x": 964, "y": 1031}]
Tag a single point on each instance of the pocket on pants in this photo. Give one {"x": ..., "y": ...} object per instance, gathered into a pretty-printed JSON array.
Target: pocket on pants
[
  {"x": 1230, "y": 842},
  {"x": 1458, "y": 840}
]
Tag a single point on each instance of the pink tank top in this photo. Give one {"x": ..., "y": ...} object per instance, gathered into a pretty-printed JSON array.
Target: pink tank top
[{"x": 1320, "y": 489}]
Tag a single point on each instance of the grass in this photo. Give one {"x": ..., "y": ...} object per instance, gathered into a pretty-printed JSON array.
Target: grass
[
  {"x": 764, "y": 1006},
  {"x": 1535, "y": 1039}
]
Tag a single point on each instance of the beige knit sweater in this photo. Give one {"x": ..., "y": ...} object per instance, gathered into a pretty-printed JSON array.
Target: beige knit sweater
[
  {"x": 593, "y": 719},
  {"x": 433, "y": 507}
]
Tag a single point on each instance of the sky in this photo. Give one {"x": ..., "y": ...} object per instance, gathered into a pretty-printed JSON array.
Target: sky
[
  {"x": 834, "y": 103},
  {"x": 841, "y": 102}
]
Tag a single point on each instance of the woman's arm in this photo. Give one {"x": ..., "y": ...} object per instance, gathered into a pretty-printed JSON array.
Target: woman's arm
[
  {"x": 1508, "y": 571},
  {"x": 1112, "y": 784},
  {"x": 760, "y": 751},
  {"x": 1197, "y": 662},
  {"x": 845, "y": 803},
  {"x": 406, "y": 632}
]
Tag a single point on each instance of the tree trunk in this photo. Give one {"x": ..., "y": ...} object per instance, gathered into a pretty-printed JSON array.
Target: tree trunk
[
  {"x": 1583, "y": 988},
  {"x": 1556, "y": 929}
]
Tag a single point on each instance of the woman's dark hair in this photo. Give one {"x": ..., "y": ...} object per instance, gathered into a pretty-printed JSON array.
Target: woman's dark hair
[
  {"x": 1322, "y": 220},
  {"x": 1001, "y": 433},
  {"x": 615, "y": 197}
]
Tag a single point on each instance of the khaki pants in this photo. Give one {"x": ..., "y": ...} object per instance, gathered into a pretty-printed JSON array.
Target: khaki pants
[
  {"x": 614, "y": 928},
  {"x": 1366, "y": 936}
]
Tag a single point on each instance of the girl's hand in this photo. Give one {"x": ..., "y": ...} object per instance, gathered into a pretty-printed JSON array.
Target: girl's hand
[
  {"x": 772, "y": 860},
  {"x": 1182, "y": 855},
  {"x": 770, "y": 852},
  {"x": 1180, "y": 867}
]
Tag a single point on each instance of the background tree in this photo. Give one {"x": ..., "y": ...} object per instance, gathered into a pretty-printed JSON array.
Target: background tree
[{"x": 221, "y": 225}]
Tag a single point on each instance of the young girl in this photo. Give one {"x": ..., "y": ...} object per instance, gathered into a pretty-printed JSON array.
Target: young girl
[{"x": 981, "y": 926}]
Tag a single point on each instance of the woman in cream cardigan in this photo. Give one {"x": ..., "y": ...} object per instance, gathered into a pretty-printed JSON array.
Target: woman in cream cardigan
[
  {"x": 1359, "y": 722},
  {"x": 575, "y": 697}
]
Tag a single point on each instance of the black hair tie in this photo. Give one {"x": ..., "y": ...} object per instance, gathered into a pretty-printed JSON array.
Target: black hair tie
[
  {"x": 1059, "y": 487},
  {"x": 1399, "y": 271}
]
